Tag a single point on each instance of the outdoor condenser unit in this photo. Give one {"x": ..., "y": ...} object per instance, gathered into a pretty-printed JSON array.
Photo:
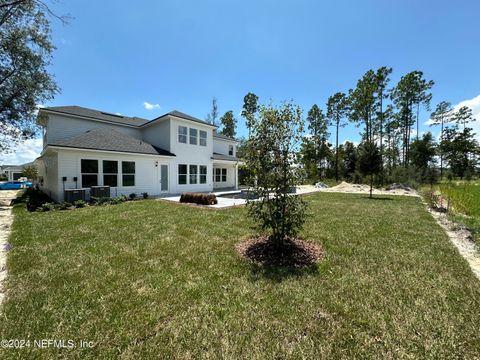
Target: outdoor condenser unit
[
  {"x": 100, "y": 191},
  {"x": 72, "y": 195}
]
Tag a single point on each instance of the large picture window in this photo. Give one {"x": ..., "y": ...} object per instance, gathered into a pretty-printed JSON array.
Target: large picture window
[
  {"x": 203, "y": 138},
  {"x": 182, "y": 174},
  {"x": 203, "y": 174},
  {"x": 110, "y": 171},
  {"x": 193, "y": 174},
  {"x": 182, "y": 134},
  {"x": 128, "y": 173},
  {"x": 89, "y": 170},
  {"x": 193, "y": 136}
]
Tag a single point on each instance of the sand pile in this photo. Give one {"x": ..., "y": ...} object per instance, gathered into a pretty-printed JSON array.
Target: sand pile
[{"x": 345, "y": 187}]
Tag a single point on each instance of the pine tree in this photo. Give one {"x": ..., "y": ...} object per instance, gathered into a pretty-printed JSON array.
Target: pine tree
[
  {"x": 337, "y": 109},
  {"x": 442, "y": 115}
]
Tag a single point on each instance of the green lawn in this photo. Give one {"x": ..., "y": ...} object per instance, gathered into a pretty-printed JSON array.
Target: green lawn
[{"x": 151, "y": 279}]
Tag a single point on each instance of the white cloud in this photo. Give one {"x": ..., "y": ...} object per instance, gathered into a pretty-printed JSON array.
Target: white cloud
[
  {"x": 149, "y": 106},
  {"x": 23, "y": 153}
]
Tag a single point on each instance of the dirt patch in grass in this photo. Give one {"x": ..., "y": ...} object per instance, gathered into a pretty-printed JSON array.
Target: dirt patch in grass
[{"x": 293, "y": 253}]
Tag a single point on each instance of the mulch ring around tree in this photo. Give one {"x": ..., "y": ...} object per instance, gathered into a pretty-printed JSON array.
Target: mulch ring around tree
[{"x": 293, "y": 253}]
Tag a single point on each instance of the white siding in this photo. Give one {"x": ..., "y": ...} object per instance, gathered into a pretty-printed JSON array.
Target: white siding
[
  {"x": 158, "y": 134},
  {"x": 191, "y": 155},
  {"x": 61, "y": 127},
  {"x": 220, "y": 146},
  {"x": 147, "y": 171},
  {"x": 231, "y": 176},
  {"x": 48, "y": 169}
]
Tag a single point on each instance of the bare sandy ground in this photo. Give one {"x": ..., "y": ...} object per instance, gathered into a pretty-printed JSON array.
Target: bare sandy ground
[
  {"x": 6, "y": 219},
  {"x": 345, "y": 187}
]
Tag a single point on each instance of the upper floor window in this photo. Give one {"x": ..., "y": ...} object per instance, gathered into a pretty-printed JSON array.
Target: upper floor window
[
  {"x": 193, "y": 136},
  {"x": 203, "y": 138},
  {"x": 182, "y": 134},
  {"x": 230, "y": 150}
]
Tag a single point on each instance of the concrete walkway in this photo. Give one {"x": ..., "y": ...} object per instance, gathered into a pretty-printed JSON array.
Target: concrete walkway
[{"x": 6, "y": 219}]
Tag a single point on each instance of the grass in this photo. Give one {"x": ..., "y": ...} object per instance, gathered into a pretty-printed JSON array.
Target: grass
[{"x": 151, "y": 279}]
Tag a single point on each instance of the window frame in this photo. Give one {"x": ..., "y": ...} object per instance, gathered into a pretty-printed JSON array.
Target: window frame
[
  {"x": 190, "y": 136},
  {"x": 204, "y": 138},
  {"x": 110, "y": 173},
  {"x": 231, "y": 150},
  {"x": 224, "y": 174},
  {"x": 180, "y": 135},
  {"x": 202, "y": 175},
  {"x": 88, "y": 173},
  {"x": 128, "y": 174},
  {"x": 190, "y": 174},
  {"x": 185, "y": 174}
]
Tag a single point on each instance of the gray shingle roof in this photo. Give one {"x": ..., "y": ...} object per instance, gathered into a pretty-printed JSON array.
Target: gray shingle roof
[
  {"x": 97, "y": 114},
  {"x": 119, "y": 119},
  {"x": 110, "y": 140},
  {"x": 217, "y": 156},
  {"x": 221, "y": 136}
]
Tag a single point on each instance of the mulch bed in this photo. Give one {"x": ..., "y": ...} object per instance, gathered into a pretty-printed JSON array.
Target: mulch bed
[{"x": 293, "y": 253}]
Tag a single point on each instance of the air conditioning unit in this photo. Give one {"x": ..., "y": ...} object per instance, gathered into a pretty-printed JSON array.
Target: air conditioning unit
[
  {"x": 100, "y": 191},
  {"x": 72, "y": 195}
]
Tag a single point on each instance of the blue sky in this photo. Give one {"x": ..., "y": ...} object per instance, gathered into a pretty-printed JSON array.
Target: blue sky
[{"x": 117, "y": 55}]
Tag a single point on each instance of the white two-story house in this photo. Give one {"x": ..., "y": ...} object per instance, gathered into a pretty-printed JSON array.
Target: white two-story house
[{"x": 170, "y": 154}]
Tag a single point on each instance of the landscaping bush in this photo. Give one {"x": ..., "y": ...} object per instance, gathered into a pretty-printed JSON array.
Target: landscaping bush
[
  {"x": 132, "y": 196},
  {"x": 33, "y": 199},
  {"x": 65, "y": 206},
  {"x": 79, "y": 203},
  {"x": 198, "y": 198},
  {"x": 46, "y": 207},
  {"x": 145, "y": 195}
]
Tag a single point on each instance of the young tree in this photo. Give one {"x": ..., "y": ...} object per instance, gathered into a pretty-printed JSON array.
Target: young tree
[
  {"x": 25, "y": 56},
  {"x": 412, "y": 89},
  {"x": 337, "y": 109},
  {"x": 30, "y": 172},
  {"x": 422, "y": 154},
  {"x": 212, "y": 116},
  {"x": 229, "y": 124},
  {"x": 250, "y": 108},
  {"x": 369, "y": 161},
  {"x": 318, "y": 127},
  {"x": 270, "y": 156},
  {"x": 461, "y": 150},
  {"x": 463, "y": 116},
  {"x": 350, "y": 160},
  {"x": 442, "y": 115}
]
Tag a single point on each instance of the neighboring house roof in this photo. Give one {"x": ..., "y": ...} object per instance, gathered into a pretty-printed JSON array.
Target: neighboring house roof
[
  {"x": 115, "y": 118},
  {"x": 221, "y": 136},
  {"x": 110, "y": 140},
  {"x": 97, "y": 114},
  {"x": 15, "y": 167},
  {"x": 217, "y": 156}
]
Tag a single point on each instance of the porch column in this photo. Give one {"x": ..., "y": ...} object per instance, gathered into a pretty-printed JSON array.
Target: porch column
[{"x": 236, "y": 176}]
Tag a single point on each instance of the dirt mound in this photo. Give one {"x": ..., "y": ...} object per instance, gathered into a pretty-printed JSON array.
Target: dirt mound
[
  {"x": 294, "y": 253},
  {"x": 345, "y": 187}
]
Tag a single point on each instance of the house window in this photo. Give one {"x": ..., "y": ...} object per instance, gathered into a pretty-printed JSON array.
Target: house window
[
  {"x": 182, "y": 134},
  {"x": 224, "y": 175},
  {"x": 193, "y": 136},
  {"x": 182, "y": 174},
  {"x": 203, "y": 174},
  {"x": 128, "y": 173},
  {"x": 203, "y": 138},
  {"x": 110, "y": 171},
  {"x": 230, "y": 150},
  {"x": 193, "y": 174},
  {"x": 89, "y": 169}
]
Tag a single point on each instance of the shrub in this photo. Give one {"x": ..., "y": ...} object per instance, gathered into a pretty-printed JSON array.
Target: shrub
[
  {"x": 46, "y": 207},
  {"x": 132, "y": 196},
  {"x": 33, "y": 199},
  {"x": 145, "y": 195},
  {"x": 198, "y": 198},
  {"x": 79, "y": 203},
  {"x": 64, "y": 206}
]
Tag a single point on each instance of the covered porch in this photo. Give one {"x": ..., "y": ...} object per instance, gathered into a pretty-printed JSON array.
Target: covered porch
[{"x": 225, "y": 175}]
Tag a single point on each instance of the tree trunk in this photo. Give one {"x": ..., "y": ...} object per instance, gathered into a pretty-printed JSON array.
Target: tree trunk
[
  {"x": 371, "y": 185},
  {"x": 336, "y": 153}
]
